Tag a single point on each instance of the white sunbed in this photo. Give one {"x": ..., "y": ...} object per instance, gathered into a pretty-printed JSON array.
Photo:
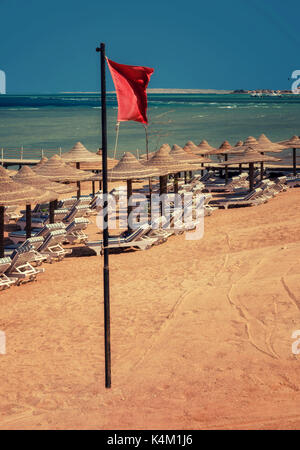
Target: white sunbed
[
  {"x": 136, "y": 239},
  {"x": 52, "y": 246},
  {"x": 20, "y": 267},
  {"x": 75, "y": 230},
  {"x": 5, "y": 281}
]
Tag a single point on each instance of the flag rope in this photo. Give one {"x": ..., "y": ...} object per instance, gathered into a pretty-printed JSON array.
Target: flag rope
[{"x": 116, "y": 142}]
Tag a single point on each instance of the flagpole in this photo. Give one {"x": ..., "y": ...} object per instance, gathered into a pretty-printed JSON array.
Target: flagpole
[
  {"x": 101, "y": 49},
  {"x": 147, "y": 156}
]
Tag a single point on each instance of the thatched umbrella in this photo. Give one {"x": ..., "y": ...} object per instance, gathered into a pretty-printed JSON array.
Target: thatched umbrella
[
  {"x": 79, "y": 154},
  {"x": 250, "y": 156},
  {"x": 294, "y": 143},
  {"x": 129, "y": 168},
  {"x": 28, "y": 176},
  {"x": 268, "y": 146},
  {"x": 10, "y": 173},
  {"x": 186, "y": 157},
  {"x": 40, "y": 163},
  {"x": 56, "y": 170},
  {"x": 166, "y": 164},
  {"x": 13, "y": 193},
  {"x": 202, "y": 149},
  {"x": 225, "y": 149}
]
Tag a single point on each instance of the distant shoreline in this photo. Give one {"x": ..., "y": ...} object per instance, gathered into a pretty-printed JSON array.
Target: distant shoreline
[{"x": 165, "y": 91}]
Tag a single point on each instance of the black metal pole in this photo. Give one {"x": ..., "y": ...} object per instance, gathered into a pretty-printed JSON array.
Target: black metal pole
[
  {"x": 2, "y": 209},
  {"x": 226, "y": 168},
  {"x": 28, "y": 221},
  {"x": 129, "y": 207},
  {"x": 176, "y": 176},
  {"x": 93, "y": 188},
  {"x": 78, "y": 182},
  {"x": 105, "y": 221},
  {"x": 262, "y": 169},
  {"x": 51, "y": 211},
  {"x": 251, "y": 176},
  {"x": 294, "y": 162}
]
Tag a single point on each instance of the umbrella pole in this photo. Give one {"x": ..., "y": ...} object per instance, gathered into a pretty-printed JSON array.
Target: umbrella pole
[
  {"x": 294, "y": 162},
  {"x": 28, "y": 221},
  {"x": 240, "y": 168},
  {"x": 202, "y": 170},
  {"x": 185, "y": 178},
  {"x": 262, "y": 169},
  {"x": 226, "y": 169},
  {"x": 51, "y": 211},
  {"x": 93, "y": 188},
  {"x": 129, "y": 207},
  {"x": 251, "y": 176},
  {"x": 176, "y": 176},
  {"x": 2, "y": 209},
  {"x": 78, "y": 183},
  {"x": 105, "y": 222},
  {"x": 149, "y": 179},
  {"x": 190, "y": 174}
]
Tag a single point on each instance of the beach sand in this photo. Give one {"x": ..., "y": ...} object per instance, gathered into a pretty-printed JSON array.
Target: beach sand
[{"x": 201, "y": 332}]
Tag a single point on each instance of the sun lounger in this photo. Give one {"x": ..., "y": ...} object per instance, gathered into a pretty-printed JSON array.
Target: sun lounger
[
  {"x": 5, "y": 281},
  {"x": 220, "y": 185},
  {"x": 250, "y": 199},
  {"x": 20, "y": 235},
  {"x": 293, "y": 181},
  {"x": 20, "y": 268},
  {"x": 11, "y": 214},
  {"x": 33, "y": 244},
  {"x": 52, "y": 246},
  {"x": 68, "y": 203},
  {"x": 75, "y": 230},
  {"x": 136, "y": 239},
  {"x": 41, "y": 220}
]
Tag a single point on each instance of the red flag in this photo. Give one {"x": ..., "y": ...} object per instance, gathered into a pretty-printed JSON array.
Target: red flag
[{"x": 131, "y": 83}]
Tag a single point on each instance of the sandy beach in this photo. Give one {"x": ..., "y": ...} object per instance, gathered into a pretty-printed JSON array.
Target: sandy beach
[{"x": 201, "y": 332}]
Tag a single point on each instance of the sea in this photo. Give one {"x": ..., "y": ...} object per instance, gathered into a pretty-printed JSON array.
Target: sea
[{"x": 49, "y": 124}]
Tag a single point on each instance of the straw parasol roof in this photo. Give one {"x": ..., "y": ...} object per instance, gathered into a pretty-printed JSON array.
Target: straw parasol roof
[
  {"x": 268, "y": 145},
  {"x": 55, "y": 169},
  {"x": 41, "y": 162},
  {"x": 224, "y": 149},
  {"x": 188, "y": 157},
  {"x": 129, "y": 168},
  {"x": 238, "y": 143},
  {"x": 14, "y": 193},
  {"x": 28, "y": 176},
  {"x": 10, "y": 173},
  {"x": 250, "y": 155},
  {"x": 205, "y": 148},
  {"x": 293, "y": 142},
  {"x": 165, "y": 163},
  {"x": 79, "y": 153}
]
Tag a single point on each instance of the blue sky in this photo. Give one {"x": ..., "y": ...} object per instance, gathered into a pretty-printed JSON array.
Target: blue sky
[{"x": 50, "y": 46}]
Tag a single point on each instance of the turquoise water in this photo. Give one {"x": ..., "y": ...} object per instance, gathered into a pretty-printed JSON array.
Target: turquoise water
[{"x": 53, "y": 121}]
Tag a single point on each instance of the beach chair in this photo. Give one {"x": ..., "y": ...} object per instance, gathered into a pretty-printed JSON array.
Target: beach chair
[
  {"x": 134, "y": 240},
  {"x": 280, "y": 185},
  {"x": 5, "y": 281},
  {"x": 11, "y": 214},
  {"x": 20, "y": 235},
  {"x": 251, "y": 199},
  {"x": 293, "y": 182},
  {"x": 68, "y": 203},
  {"x": 20, "y": 268},
  {"x": 238, "y": 182},
  {"x": 75, "y": 231},
  {"x": 52, "y": 246},
  {"x": 33, "y": 244},
  {"x": 40, "y": 220}
]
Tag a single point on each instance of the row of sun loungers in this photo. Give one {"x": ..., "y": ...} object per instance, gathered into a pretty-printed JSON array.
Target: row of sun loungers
[{"x": 24, "y": 257}]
